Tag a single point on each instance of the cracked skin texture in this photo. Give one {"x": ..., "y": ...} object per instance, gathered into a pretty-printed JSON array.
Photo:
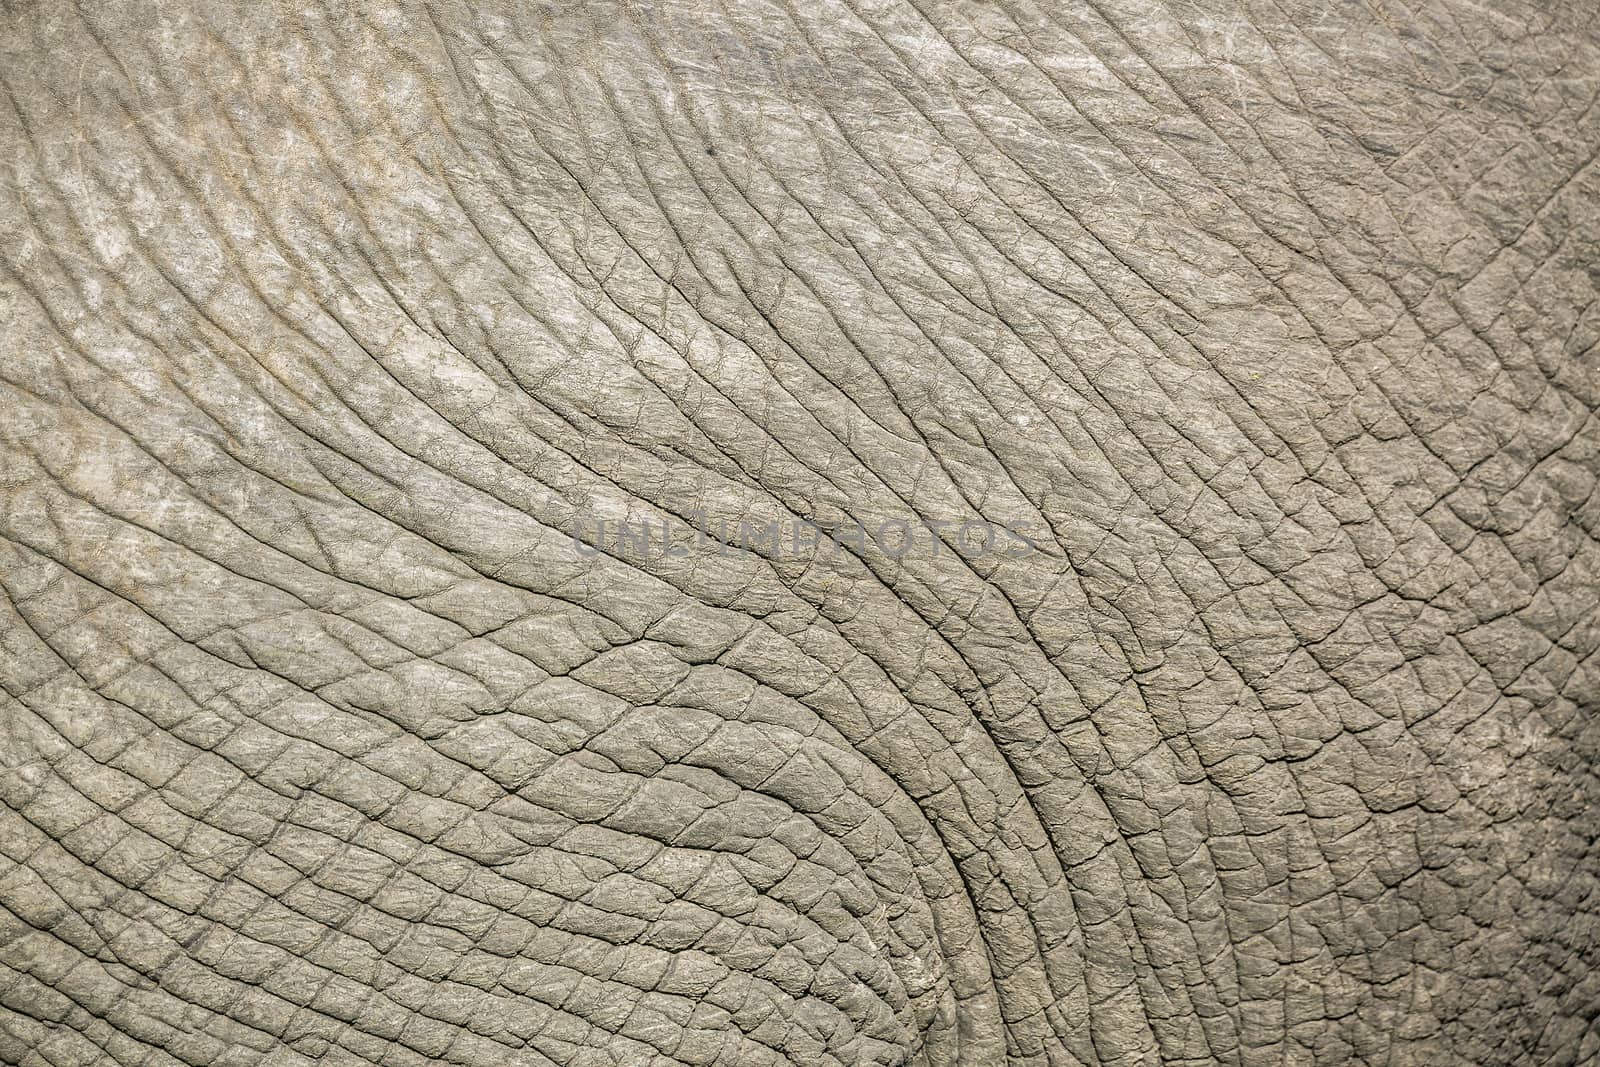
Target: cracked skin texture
[{"x": 321, "y": 742}]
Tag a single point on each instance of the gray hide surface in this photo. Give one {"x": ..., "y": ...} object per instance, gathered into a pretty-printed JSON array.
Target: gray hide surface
[{"x": 336, "y": 730}]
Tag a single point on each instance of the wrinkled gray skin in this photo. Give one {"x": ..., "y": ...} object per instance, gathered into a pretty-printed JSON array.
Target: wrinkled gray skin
[{"x": 322, "y": 742}]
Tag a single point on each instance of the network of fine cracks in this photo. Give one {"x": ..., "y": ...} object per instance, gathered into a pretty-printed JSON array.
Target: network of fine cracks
[{"x": 323, "y": 739}]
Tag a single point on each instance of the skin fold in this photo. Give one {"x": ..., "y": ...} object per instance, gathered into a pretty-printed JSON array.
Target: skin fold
[{"x": 1120, "y": 580}]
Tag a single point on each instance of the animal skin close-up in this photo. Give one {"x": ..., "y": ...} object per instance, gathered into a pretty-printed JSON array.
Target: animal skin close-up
[{"x": 854, "y": 533}]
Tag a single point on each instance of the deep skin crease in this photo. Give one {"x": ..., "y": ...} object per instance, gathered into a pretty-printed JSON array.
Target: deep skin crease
[{"x": 1271, "y": 326}]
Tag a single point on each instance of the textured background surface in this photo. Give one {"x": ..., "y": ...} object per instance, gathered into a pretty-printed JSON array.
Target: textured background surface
[{"x": 322, "y": 324}]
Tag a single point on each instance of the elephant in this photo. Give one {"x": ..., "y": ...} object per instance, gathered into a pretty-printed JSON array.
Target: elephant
[{"x": 1120, "y": 569}]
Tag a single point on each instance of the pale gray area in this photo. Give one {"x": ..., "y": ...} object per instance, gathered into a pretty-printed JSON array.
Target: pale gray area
[{"x": 321, "y": 742}]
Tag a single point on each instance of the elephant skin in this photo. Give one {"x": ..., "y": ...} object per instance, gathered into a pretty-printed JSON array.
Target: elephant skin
[{"x": 330, "y": 736}]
